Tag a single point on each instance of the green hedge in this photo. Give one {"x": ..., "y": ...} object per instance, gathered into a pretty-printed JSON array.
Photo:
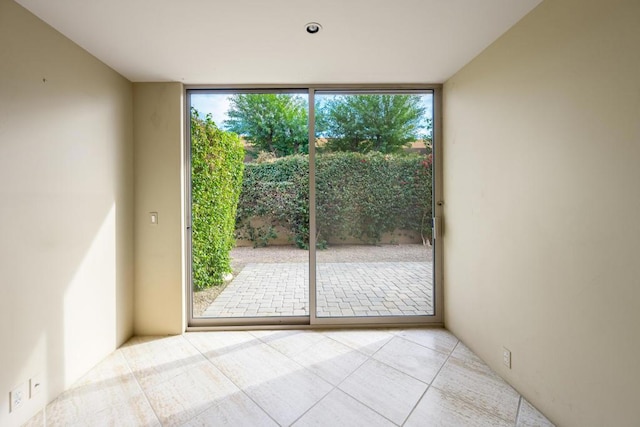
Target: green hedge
[
  {"x": 216, "y": 179},
  {"x": 278, "y": 191},
  {"x": 358, "y": 196}
]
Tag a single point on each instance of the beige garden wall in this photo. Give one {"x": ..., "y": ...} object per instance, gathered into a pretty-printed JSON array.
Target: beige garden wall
[
  {"x": 66, "y": 210},
  {"x": 542, "y": 207},
  {"x": 159, "y": 263}
]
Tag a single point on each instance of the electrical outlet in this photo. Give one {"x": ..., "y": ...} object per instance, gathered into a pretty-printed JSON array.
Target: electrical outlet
[
  {"x": 35, "y": 385},
  {"x": 17, "y": 397},
  {"x": 506, "y": 357}
]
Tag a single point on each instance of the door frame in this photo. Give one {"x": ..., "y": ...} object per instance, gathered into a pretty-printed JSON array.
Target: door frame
[{"x": 312, "y": 321}]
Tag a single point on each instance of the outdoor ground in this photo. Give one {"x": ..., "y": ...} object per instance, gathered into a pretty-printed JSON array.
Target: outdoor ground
[{"x": 242, "y": 256}]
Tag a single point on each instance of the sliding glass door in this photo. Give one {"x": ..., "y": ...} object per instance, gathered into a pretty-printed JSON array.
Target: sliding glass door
[
  {"x": 249, "y": 179},
  {"x": 312, "y": 206},
  {"x": 373, "y": 205}
]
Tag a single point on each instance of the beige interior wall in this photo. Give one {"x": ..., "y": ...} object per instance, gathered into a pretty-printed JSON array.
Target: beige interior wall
[
  {"x": 542, "y": 198},
  {"x": 66, "y": 209},
  {"x": 159, "y": 265}
]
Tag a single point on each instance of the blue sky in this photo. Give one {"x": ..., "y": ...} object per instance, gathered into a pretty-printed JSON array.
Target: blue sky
[{"x": 218, "y": 104}]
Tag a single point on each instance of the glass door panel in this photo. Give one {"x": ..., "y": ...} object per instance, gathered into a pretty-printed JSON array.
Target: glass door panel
[
  {"x": 249, "y": 204},
  {"x": 373, "y": 204}
]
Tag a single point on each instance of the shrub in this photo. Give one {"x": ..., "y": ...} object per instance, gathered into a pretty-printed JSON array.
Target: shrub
[
  {"x": 278, "y": 192},
  {"x": 357, "y": 196},
  {"x": 366, "y": 195},
  {"x": 216, "y": 179}
]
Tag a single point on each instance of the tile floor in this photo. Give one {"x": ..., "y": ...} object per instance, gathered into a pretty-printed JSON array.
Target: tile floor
[
  {"x": 410, "y": 377},
  {"x": 344, "y": 290}
]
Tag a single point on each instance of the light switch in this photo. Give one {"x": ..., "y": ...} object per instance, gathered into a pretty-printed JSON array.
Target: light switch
[{"x": 153, "y": 216}]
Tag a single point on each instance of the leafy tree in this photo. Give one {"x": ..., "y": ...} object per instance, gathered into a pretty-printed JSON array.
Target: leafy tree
[
  {"x": 364, "y": 123},
  {"x": 276, "y": 123}
]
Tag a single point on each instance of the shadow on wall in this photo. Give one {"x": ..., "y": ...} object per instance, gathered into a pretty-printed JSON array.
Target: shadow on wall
[
  {"x": 66, "y": 210},
  {"x": 66, "y": 204}
]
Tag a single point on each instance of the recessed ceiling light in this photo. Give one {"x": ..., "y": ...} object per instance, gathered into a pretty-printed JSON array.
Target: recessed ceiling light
[{"x": 313, "y": 27}]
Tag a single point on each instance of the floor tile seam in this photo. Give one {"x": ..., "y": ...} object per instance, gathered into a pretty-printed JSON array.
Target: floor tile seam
[
  {"x": 430, "y": 348},
  {"x": 282, "y": 352},
  {"x": 353, "y": 348},
  {"x": 314, "y": 405},
  {"x": 487, "y": 371},
  {"x": 471, "y": 403},
  {"x": 336, "y": 386},
  {"x": 178, "y": 371},
  {"x": 269, "y": 344},
  {"x": 518, "y": 411},
  {"x": 75, "y": 419},
  {"x": 129, "y": 372},
  {"x": 200, "y": 412},
  {"x": 214, "y": 404},
  {"x": 388, "y": 366},
  {"x": 430, "y": 384},
  {"x": 299, "y": 365},
  {"x": 402, "y": 372},
  {"x": 361, "y": 402},
  {"x": 475, "y": 406},
  {"x": 44, "y": 412},
  {"x": 242, "y": 390},
  {"x": 146, "y": 398},
  {"x": 367, "y": 358},
  {"x": 424, "y": 393},
  {"x": 449, "y": 356}
]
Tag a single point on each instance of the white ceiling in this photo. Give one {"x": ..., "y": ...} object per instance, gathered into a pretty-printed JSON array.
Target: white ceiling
[{"x": 264, "y": 41}]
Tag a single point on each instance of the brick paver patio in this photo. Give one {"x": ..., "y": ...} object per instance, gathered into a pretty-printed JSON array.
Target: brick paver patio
[{"x": 344, "y": 289}]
